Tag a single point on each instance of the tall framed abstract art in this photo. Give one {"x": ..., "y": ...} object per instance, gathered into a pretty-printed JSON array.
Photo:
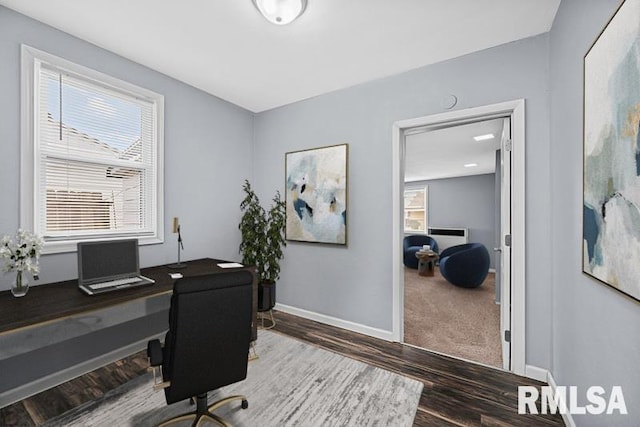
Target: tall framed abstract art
[
  {"x": 611, "y": 190},
  {"x": 316, "y": 195}
]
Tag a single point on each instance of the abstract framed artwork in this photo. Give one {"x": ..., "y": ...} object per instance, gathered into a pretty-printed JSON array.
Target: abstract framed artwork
[
  {"x": 316, "y": 195},
  {"x": 611, "y": 187}
]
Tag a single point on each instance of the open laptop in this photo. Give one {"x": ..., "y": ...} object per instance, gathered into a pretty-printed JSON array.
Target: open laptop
[{"x": 111, "y": 265}]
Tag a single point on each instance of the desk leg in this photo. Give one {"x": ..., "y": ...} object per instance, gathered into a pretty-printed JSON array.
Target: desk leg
[{"x": 254, "y": 309}]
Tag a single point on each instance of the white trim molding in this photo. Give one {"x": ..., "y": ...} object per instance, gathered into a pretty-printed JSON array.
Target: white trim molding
[
  {"x": 566, "y": 417},
  {"x": 545, "y": 376},
  {"x": 516, "y": 111},
  {"x": 536, "y": 373},
  {"x": 334, "y": 321}
]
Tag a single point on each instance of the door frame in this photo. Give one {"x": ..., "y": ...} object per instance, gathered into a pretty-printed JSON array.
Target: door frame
[
  {"x": 516, "y": 111},
  {"x": 502, "y": 247}
]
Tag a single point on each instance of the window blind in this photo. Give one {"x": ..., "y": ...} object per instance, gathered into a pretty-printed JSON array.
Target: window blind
[{"x": 96, "y": 151}]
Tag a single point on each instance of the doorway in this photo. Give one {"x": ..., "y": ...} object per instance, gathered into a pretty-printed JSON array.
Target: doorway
[
  {"x": 451, "y": 198},
  {"x": 510, "y": 268}
]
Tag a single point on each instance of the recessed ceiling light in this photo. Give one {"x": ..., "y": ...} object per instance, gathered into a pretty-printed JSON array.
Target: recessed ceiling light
[
  {"x": 470, "y": 165},
  {"x": 484, "y": 137}
]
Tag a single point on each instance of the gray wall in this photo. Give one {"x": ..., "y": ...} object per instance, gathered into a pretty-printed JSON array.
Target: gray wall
[
  {"x": 596, "y": 333},
  {"x": 467, "y": 201},
  {"x": 207, "y": 149},
  {"x": 354, "y": 283}
]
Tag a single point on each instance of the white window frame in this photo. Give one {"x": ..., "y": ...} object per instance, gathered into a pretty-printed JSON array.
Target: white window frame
[
  {"x": 424, "y": 188},
  {"x": 29, "y": 156}
]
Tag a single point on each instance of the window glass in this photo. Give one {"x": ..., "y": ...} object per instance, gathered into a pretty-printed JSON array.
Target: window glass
[{"x": 415, "y": 210}]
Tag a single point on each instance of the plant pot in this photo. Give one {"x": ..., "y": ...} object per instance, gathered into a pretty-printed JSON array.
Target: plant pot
[
  {"x": 20, "y": 285},
  {"x": 266, "y": 296}
]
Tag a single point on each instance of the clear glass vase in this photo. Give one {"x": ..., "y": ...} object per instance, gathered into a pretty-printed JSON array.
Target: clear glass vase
[{"x": 20, "y": 285}]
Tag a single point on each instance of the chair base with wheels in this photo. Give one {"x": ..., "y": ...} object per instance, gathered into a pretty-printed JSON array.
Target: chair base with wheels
[{"x": 204, "y": 412}]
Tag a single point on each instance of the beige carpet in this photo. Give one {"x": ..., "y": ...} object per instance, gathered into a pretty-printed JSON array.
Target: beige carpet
[{"x": 456, "y": 321}]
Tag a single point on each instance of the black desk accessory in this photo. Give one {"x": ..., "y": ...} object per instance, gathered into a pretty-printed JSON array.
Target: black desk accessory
[{"x": 180, "y": 247}]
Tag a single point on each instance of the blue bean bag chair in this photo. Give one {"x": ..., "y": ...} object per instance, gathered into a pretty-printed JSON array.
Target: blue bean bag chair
[
  {"x": 465, "y": 265},
  {"x": 413, "y": 244}
]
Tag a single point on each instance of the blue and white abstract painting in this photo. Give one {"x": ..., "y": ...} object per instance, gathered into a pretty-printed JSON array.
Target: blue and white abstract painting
[
  {"x": 316, "y": 197},
  {"x": 611, "y": 211}
]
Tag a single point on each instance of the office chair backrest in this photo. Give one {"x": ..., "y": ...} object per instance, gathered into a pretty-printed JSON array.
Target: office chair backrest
[{"x": 207, "y": 345}]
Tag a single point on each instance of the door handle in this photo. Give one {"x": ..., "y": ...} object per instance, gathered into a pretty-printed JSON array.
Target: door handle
[{"x": 497, "y": 249}]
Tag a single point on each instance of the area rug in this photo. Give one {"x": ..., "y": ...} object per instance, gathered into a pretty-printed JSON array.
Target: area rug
[{"x": 292, "y": 383}]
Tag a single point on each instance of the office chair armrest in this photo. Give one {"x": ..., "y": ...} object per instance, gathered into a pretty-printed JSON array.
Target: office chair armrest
[{"x": 154, "y": 352}]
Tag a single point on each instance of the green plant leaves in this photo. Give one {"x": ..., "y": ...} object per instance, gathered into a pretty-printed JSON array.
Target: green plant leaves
[{"x": 262, "y": 234}]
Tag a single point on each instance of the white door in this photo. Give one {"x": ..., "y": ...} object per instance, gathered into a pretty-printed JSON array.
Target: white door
[{"x": 505, "y": 243}]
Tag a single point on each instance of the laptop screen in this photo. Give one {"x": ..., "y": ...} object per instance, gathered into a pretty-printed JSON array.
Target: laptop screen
[{"x": 107, "y": 260}]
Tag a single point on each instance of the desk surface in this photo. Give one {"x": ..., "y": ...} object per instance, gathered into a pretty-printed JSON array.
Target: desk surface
[{"x": 55, "y": 301}]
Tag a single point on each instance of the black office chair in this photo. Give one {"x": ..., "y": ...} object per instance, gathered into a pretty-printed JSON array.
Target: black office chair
[{"x": 207, "y": 345}]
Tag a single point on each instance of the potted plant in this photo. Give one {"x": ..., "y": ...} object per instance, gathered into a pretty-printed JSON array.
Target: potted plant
[
  {"x": 262, "y": 242},
  {"x": 21, "y": 254}
]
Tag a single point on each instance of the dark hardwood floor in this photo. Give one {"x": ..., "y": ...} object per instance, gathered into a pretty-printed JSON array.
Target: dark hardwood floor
[{"x": 455, "y": 393}]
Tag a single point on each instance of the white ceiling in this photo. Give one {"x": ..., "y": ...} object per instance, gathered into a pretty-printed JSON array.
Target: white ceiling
[
  {"x": 443, "y": 153},
  {"x": 227, "y": 49}
]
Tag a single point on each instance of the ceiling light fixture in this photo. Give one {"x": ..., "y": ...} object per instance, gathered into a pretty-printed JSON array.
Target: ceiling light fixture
[
  {"x": 484, "y": 137},
  {"x": 470, "y": 165},
  {"x": 280, "y": 12}
]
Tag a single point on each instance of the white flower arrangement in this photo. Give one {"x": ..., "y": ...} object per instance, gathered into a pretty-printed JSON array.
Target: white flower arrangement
[{"x": 21, "y": 252}]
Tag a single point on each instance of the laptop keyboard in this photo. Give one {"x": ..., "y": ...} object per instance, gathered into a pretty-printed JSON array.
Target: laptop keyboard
[{"x": 114, "y": 283}]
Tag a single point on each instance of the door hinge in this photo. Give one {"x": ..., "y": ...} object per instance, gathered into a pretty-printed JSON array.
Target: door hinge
[
  {"x": 507, "y": 240},
  {"x": 508, "y": 145},
  {"x": 507, "y": 335}
]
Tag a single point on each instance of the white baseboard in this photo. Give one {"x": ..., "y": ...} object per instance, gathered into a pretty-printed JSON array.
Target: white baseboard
[
  {"x": 536, "y": 373},
  {"x": 544, "y": 375},
  {"x": 567, "y": 418},
  {"x": 334, "y": 321}
]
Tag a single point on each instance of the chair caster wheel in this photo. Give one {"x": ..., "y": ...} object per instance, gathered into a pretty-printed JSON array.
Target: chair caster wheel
[{"x": 245, "y": 404}]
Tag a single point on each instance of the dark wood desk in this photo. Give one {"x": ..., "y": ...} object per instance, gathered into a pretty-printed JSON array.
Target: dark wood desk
[
  {"x": 51, "y": 305},
  {"x": 55, "y": 301}
]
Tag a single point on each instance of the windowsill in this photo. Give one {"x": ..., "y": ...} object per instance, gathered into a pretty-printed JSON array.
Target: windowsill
[{"x": 72, "y": 245}]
